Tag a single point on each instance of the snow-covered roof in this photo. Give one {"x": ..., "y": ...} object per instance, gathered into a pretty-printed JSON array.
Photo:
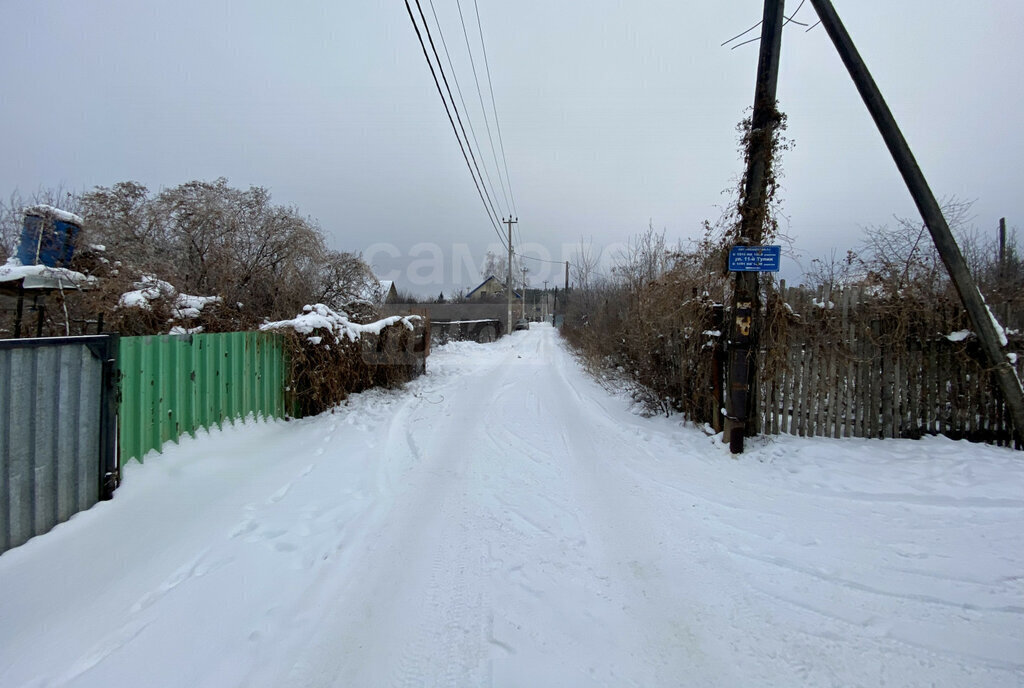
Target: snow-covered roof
[
  {"x": 55, "y": 213},
  {"x": 43, "y": 277}
]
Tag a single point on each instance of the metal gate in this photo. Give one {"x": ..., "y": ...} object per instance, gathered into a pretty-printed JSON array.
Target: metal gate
[{"x": 58, "y": 431}]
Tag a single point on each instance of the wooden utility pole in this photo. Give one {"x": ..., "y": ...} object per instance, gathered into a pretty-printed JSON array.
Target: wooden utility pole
[
  {"x": 1005, "y": 310},
  {"x": 567, "y": 275},
  {"x": 544, "y": 306},
  {"x": 508, "y": 283},
  {"x": 523, "y": 299},
  {"x": 744, "y": 330},
  {"x": 990, "y": 336},
  {"x": 1002, "y": 247}
]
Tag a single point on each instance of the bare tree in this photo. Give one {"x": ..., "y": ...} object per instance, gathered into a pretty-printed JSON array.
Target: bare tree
[
  {"x": 345, "y": 278},
  {"x": 645, "y": 259},
  {"x": 497, "y": 265},
  {"x": 833, "y": 272},
  {"x": 904, "y": 257},
  {"x": 583, "y": 266}
]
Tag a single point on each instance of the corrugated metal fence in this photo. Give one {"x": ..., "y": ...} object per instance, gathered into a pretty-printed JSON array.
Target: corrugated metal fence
[
  {"x": 57, "y": 430},
  {"x": 172, "y": 385}
]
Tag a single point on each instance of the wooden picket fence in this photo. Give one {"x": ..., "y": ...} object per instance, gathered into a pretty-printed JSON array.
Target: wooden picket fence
[{"x": 847, "y": 364}]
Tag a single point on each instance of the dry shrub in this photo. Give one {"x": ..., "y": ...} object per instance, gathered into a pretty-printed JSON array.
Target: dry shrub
[
  {"x": 325, "y": 369},
  {"x": 654, "y": 327}
]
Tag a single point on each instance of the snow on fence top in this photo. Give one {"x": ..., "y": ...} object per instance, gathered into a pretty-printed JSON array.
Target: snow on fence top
[
  {"x": 320, "y": 317},
  {"x": 55, "y": 213}
]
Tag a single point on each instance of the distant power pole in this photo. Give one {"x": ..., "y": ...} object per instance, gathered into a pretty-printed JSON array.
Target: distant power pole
[
  {"x": 508, "y": 283},
  {"x": 1002, "y": 247},
  {"x": 544, "y": 308},
  {"x": 524, "y": 293},
  {"x": 1002, "y": 270},
  {"x": 567, "y": 275}
]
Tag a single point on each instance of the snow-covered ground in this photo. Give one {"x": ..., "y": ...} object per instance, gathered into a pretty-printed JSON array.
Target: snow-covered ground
[{"x": 504, "y": 521}]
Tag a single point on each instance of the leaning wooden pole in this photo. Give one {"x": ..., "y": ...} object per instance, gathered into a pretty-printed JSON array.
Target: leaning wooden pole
[{"x": 983, "y": 321}]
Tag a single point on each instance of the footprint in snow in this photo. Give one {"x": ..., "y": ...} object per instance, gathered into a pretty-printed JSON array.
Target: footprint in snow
[
  {"x": 246, "y": 526},
  {"x": 279, "y": 495}
]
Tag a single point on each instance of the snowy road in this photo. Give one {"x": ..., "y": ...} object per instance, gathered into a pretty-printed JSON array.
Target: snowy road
[{"x": 503, "y": 521}]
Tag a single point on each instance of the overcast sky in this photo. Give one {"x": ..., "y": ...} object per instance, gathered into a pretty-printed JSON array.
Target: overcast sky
[{"x": 613, "y": 114}]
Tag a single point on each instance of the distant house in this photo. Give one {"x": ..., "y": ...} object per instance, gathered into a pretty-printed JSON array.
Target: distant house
[
  {"x": 490, "y": 288},
  {"x": 387, "y": 291},
  {"x": 376, "y": 292}
]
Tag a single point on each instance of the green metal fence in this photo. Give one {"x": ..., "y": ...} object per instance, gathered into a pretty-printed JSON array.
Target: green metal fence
[{"x": 172, "y": 385}]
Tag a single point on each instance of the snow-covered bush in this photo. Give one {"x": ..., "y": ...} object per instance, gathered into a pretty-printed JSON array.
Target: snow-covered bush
[{"x": 331, "y": 356}]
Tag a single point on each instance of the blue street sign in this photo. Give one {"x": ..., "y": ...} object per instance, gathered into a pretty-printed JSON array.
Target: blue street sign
[{"x": 755, "y": 258}]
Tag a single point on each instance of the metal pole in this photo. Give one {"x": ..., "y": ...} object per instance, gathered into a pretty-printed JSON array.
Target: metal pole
[
  {"x": 745, "y": 302},
  {"x": 982, "y": 320}
]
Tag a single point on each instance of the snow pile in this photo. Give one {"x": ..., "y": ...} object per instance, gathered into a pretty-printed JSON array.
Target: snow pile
[
  {"x": 147, "y": 289},
  {"x": 959, "y": 335},
  {"x": 319, "y": 317},
  {"x": 150, "y": 288},
  {"x": 188, "y": 306},
  {"x": 43, "y": 277},
  {"x": 178, "y": 329}
]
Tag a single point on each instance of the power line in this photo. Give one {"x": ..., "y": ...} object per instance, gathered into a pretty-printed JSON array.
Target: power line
[
  {"x": 790, "y": 19},
  {"x": 542, "y": 260},
  {"x": 494, "y": 107},
  {"x": 479, "y": 92},
  {"x": 739, "y": 35},
  {"x": 454, "y": 107},
  {"x": 458, "y": 89},
  {"x": 488, "y": 209}
]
